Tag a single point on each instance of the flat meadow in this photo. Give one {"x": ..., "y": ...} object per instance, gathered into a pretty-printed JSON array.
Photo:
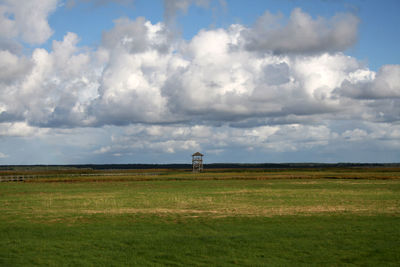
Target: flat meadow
[{"x": 222, "y": 217}]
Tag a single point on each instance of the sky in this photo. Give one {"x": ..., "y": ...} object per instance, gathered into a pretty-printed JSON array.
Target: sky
[{"x": 139, "y": 81}]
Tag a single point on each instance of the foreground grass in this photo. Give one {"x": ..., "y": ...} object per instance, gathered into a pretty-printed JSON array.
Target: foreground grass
[
  {"x": 202, "y": 222},
  {"x": 147, "y": 240}
]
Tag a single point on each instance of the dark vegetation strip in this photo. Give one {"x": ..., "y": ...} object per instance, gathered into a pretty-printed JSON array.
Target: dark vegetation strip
[
  {"x": 189, "y": 166},
  {"x": 90, "y": 175}
]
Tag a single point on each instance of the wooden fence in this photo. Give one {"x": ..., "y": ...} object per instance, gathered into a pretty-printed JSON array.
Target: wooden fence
[{"x": 22, "y": 177}]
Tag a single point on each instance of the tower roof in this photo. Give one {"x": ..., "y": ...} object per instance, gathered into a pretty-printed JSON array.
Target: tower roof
[{"x": 197, "y": 154}]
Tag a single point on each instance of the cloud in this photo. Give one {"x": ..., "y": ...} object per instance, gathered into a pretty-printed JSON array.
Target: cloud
[
  {"x": 102, "y": 150},
  {"x": 141, "y": 75},
  {"x": 49, "y": 89},
  {"x": 384, "y": 85},
  {"x": 183, "y": 138},
  {"x": 301, "y": 34},
  {"x": 138, "y": 58},
  {"x": 375, "y": 96},
  {"x": 277, "y": 89},
  {"x": 12, "y": 67},
  {"x": 215, "y": 92},
  {"x": 97, "y": 3},
  {"x": 136, "y": 36},
  {"x": 26, "y": 20},
  {"x": 355, "y": 135},
  {"x": 20, "y": 129},
  {"x": 218, "y": 83},
  {"x": 173, "y": 7},
  {"x": 3, "y": 156},
  {"x": 260, "y": 143},
  {"x": 10, "y": 45}
]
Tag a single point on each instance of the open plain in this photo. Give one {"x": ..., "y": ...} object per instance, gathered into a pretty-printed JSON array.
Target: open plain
[{"x": 253, "y": 217}]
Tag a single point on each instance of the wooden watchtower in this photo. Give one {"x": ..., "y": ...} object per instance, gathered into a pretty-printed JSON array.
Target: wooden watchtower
[{"x": 197, "y": 162}]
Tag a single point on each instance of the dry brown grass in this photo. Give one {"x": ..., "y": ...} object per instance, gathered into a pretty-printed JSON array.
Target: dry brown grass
[
  {"x": 265, "y": 212},
  {"x": 211, "y": 198}
]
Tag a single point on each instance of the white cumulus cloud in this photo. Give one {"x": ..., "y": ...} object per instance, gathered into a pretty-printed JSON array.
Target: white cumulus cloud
[
  {"x": 301, "y": 33},
  {"x": 26, "y": 20},
  {"x": 270, "y": 87}
]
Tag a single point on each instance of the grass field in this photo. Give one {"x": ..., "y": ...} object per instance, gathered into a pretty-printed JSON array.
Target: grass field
[{"x": 220, "y": 217}]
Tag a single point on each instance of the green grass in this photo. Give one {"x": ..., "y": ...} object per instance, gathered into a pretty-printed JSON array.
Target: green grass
[
  {"x": 149, "y": 240},
  {"x": 255, "y": 219}
]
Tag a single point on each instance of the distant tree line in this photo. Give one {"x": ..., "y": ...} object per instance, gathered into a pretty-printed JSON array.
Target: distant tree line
[{"x": 189, "y": 166}]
